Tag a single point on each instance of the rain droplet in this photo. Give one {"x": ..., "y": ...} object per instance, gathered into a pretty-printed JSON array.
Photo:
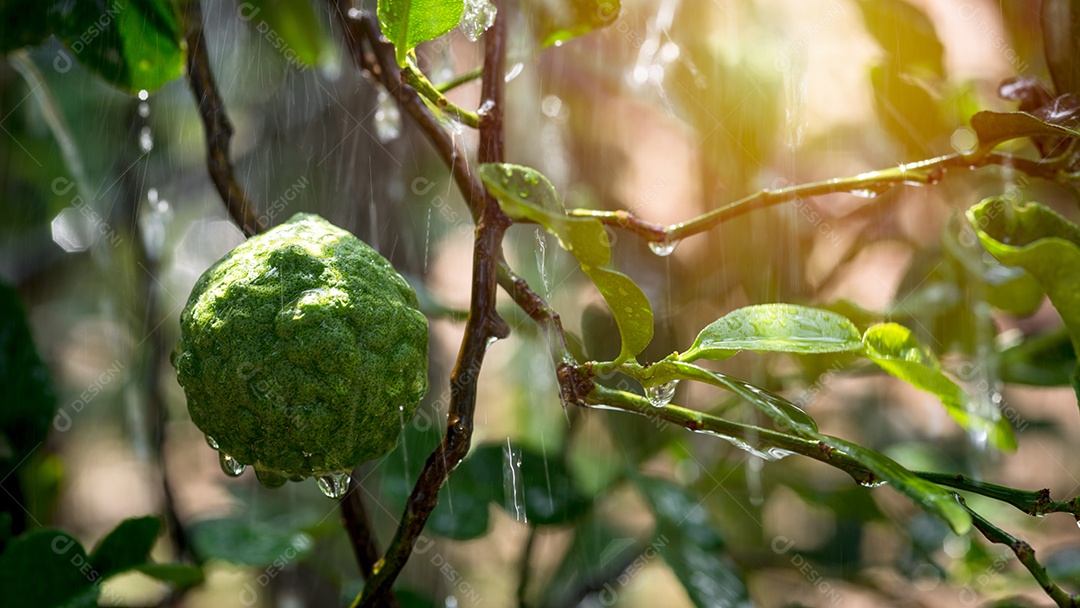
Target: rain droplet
[
  {"x": 270, "y": 479},
  {"x": 477, "y": 18},
  {"x": 210, "y": 441},
  {"x": 230, "y": 466},
  {"x": 865, "y": 193},
  {"x": 663, "y": 248},
  {"x": 513, "y": 483},
  {"x": 484, "y": 108},
  {"x": 387, "y": 118},
  {"x": 514, "y": 72},
  {"x": 144, "y": 109},
  {"x": 146, "y": 140},
  {"x": 334, "y": 485},
  {"x": 661, "y": 394},
  {"x": 144, "y": 95},
  {"x": 872, "y": 483}
]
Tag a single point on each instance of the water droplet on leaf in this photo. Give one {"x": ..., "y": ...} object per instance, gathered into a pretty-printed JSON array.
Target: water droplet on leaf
[
  {"x": 230, "y": 466},
  {"x": 334, "y": 485},
  {"x": 477, "y": 18},
  {"x": 210, "y": 441}
]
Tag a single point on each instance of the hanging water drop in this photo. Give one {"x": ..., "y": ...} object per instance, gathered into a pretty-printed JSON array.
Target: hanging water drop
[
  {"x": 661, "y": 394},
  {"x": 270, "y": 479},
  {"x": 144, "y": 95},
  {"x": 477, "y": 18},
  {"x": 230, "y": 466},
  {"x": 144, "y": 109},
  {"x": 663, "y": 248},
  {"x": 210, "y": 441},
  {"x": 334, "y": 485},
  {"x": 387, "y": 118}
]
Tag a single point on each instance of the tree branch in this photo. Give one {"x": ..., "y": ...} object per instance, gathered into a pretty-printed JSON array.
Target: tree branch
[{"x": 216, "y": 125}]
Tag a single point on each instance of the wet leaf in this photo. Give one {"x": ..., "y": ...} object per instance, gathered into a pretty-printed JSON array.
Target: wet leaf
[
  {"x": 994, "y": 128},
  {"x": 927, "y": 495},
  {"x": 290, "y": 27},
  {"x": 132, "y": 44},
  {"x": 526, "y": 195},
  {"x": 896, "y": 350},
  {"x": 691, "y": 545},
  {"x": 1041, "y": 242},
  {"x": 775, "y": 328},
  {"x": 126, "y": 547},
  {"x": 556, "y": 21},
  {"x": 407, "y": 23},
  {"x": 1061, "y": 43},
  {"x": 247, "y": 541}
]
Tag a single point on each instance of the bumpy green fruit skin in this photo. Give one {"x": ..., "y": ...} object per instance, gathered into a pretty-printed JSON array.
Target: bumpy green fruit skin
[{"x": 302, "y": 351}]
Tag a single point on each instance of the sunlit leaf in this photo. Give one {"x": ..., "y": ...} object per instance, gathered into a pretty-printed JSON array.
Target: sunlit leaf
[
  {"x": 691, "y": 545},
  {"x": 290, "y": 27},
  {"x": 246, "y": 541},
  {"x": 993, "y": 128},
  {"x": 775, "y": 328},
  {"x": 526, "y": 195},
  {"x": 407, "y": 23},
  {"x": 896, "y": 350},
  {"x": 132, "y": 44},
  {"x": 905, "y": 32},
  {"x": 126, "y": 547},
  {"x": 1041, "y": 242},
  {"x": 1061, "y": 43},
  {"x": 556, "y": 21}
]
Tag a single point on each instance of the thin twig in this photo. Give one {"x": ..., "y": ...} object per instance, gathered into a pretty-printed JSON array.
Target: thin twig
[
  {"x": 483, "y": 324},
  {"x": 216, "y": 125},
  {"x": 1023, "y": 552},
  {"x": 524, "y": 566},
  {"x": 457, "y": 81},
  {"x": 418, "y": 81},
  {"x": 1035, "y": 503},
  {"x": 928, "y": 171},
  {"x": 357, "y": 523}
]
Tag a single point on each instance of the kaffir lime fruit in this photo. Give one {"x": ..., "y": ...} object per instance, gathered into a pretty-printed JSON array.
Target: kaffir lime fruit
[{"x": 302, "y": 353}]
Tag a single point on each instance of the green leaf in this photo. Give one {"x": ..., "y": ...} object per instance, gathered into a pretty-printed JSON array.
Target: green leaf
[
  {"x": 1061, "y": 43},
  {"x": 1041, "y": 360},
  {"x": 526, "y": 195},
  {"x": 787, "y": 415},
  {"x": 927, "y": 495},
  {"x": 180, "y": 576},
  {"x": 48, "y": 568},
  {"x": 905, "y": 32},
  {"x": 407, "y": 23},
  {"x": 29, "y": 398},
  {"x": 775, "y": 328},
  {"x": 537, "y": 487},
  {"x": 132, "y": 44},
  {"x": 1035, "y": 238},
  {"x": 993, "y": 128},
  {"x": 691, "y": 545},
  {"x": 556, "y": 21},
  {"x": 249, "y": 542},
  {"x": 896, "y": 350},
  {"x": 126, "y": 547},
  {"x": 290, "y": 27}
]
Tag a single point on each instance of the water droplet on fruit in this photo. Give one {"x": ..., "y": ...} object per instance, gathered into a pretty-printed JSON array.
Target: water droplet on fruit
[
  {"x": 210, "y": 441},
  {"x": 663, "y": 248},
  {"x": 334, "y": 485},
  {"x": 230, "y": 466},
  {"x": 270, "y": 479},
  {"x": 661, "y": 394}
]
